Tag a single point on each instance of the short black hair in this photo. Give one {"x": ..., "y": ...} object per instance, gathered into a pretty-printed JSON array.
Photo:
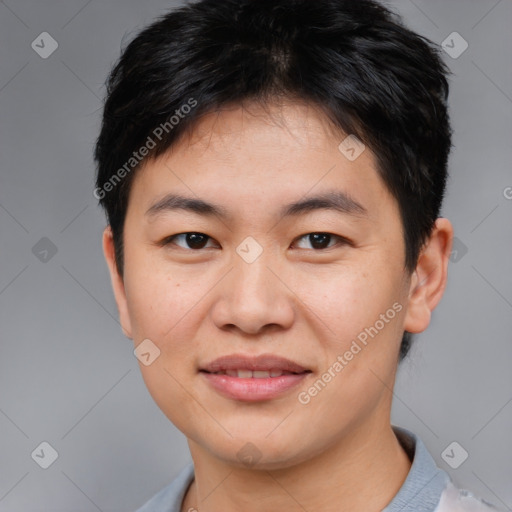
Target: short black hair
[{"x": 372, "y": 77}]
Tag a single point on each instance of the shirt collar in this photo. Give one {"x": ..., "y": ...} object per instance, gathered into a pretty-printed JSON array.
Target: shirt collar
[{"x": 425, "y": 482}]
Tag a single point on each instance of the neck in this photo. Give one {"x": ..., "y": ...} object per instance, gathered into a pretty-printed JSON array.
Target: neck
[{"x": 362, "y": 471}]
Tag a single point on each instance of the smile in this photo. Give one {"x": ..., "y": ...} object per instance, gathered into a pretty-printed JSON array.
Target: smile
[{"x": 256, "y": 374}]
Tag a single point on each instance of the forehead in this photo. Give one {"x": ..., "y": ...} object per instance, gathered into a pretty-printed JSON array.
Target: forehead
[
  {"x": 304, "y": 122},
  {"x": 277, "y": 153}
]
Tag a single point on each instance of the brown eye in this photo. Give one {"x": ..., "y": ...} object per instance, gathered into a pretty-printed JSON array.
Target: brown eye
[
  {"x": 192, "y": 240},
  {"x": 320, "y": 241}
]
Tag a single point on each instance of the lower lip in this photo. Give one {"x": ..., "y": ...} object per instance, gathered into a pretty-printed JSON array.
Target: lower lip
[{"x": 253, "y": 390}]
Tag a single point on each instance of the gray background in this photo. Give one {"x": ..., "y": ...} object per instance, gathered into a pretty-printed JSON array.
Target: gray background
[{"x": 67, "y": 374}]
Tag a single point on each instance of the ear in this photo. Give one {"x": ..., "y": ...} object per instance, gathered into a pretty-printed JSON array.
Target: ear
[
  {"x": 428, "y": 280},
  {"x": 117, "y": 282}
]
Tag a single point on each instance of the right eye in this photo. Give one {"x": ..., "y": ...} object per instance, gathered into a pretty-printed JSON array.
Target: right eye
[{"x": 193, "y": 240}]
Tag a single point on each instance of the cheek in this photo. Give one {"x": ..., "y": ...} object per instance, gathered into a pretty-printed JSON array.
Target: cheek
[
  {"x": 160, "y": 297},
  {"x": 346, "y": 300},
  {"x": 163, "y": 308},
  {"x": 359, "y": 314}
]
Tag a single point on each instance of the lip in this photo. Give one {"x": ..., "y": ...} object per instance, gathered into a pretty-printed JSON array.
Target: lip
[
  {"x": 263, "y": 362},
  {"x": 253, "y": 389}
]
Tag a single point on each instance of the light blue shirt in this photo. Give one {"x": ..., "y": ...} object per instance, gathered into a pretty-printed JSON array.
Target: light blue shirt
[{"x": 427, "y": 488}]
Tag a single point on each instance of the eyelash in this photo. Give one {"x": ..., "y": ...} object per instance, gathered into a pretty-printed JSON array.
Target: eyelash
[{"x": 342, "y": 241}]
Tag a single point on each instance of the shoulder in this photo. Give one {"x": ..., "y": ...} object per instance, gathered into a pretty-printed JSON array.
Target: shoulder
[
  {"x": 461, "y": 500},
  {"x": 170, "y": 498}
]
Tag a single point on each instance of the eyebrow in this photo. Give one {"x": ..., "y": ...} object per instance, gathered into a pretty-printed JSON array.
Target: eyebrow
[{"x": 330, "y": 200}]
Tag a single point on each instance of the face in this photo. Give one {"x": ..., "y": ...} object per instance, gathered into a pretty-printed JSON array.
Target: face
[{"x": 294, "y": 251}]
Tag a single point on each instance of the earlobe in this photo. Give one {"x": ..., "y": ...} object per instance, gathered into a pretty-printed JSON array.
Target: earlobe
[
  {"x": 117, "y": 282},
  {"x": 428, "y": 281}
]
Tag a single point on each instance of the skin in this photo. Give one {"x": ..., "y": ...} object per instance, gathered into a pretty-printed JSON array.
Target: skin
[{"x": 338, "y": 452}]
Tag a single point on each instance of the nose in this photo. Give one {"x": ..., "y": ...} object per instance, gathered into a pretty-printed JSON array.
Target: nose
[{"x": 253, "y": 299}]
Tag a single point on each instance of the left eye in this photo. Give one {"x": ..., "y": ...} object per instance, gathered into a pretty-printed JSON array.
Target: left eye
[{"x": 321, "y": 240}]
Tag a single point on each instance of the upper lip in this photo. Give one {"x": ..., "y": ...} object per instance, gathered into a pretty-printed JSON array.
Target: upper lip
[{"x": 263, "y": 362}]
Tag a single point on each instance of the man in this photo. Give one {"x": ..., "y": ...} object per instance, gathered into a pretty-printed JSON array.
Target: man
[{"x": 272, "y": 174}]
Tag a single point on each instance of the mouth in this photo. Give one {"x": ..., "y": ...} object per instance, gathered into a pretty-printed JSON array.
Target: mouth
[
  {"x": 254, "y": 374},
  {"x": 243, "y": 364},
  {"x": 251, "y": 379}
]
